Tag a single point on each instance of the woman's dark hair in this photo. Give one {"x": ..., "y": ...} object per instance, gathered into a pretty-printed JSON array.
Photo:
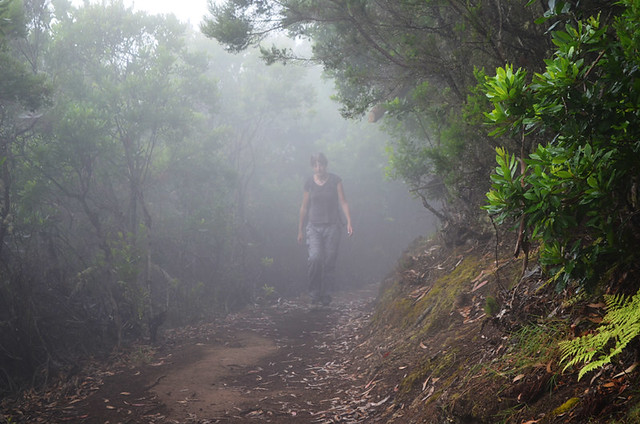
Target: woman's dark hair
[{"x": 319, "y": 158}]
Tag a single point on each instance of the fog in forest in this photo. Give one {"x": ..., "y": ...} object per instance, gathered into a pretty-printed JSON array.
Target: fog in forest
[
  {"x": 277, "y": 116},
  {"x": 276, "y": 163},
  {"x": 151, "y": 177},
  {"x": 385, "y": 217}
]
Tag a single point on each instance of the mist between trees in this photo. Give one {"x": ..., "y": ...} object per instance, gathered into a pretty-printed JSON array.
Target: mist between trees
[{"x": 149, "y": 176}]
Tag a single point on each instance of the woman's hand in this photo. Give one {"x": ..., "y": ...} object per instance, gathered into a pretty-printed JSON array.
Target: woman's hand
[{"x": 345, "y": 208}]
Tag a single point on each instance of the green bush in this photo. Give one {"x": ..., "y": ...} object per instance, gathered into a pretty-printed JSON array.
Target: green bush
[{"x": 576, "y": 192}]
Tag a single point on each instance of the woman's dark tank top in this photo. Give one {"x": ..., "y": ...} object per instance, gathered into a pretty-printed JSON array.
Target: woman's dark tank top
[{"x": 323, "y": 200}]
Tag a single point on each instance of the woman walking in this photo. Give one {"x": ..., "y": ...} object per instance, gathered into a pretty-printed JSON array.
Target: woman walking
[{"x": 322, "y": 200}]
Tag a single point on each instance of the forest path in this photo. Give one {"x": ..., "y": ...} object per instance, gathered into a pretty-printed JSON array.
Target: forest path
[{"x": 283, "y": 363}]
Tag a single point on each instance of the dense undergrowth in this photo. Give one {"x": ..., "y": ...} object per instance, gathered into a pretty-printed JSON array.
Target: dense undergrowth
[{"x": 463, "y": 334}]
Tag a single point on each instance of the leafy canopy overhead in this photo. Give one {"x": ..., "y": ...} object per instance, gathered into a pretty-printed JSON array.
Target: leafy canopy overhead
[{"x": 405, "y": 59}]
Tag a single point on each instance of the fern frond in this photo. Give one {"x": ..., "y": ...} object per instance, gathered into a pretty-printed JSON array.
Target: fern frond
[
  {"x": 621, "y": 324},
  {"x": 614, "y": 301}
]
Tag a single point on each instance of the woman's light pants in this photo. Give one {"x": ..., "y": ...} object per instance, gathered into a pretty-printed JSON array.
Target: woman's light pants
[{"x": 323, "y": 241}]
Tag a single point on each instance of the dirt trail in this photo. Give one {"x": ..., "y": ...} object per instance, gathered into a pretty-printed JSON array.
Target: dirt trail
[{"x": 281, "y": 363}]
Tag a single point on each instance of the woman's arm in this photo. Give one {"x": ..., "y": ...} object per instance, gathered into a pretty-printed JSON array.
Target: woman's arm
[
  {"x": 303, "y": 215},
  {"x": 345, "y": 207}
]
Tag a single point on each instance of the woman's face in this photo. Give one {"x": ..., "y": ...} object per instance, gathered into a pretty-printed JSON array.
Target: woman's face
[{"x": 319, "y": 168}]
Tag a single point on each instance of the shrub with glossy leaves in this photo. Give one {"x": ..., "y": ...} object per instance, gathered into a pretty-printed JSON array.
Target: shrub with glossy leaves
[{"x": 578, "y": 191}]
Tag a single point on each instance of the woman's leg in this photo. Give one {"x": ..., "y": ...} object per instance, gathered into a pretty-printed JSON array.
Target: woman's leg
[
  {"x": 315, "y": 244},
  {"x": 331, "y": 245}
]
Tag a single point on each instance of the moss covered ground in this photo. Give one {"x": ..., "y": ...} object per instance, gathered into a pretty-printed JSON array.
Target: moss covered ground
[{"x": 465, "y": 335}]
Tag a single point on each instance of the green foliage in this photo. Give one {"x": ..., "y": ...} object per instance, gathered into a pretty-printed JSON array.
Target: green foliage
[
  {"x": 577, "y": 193},
  {"x": 18, "y": 84},
  {"x": 397, "y": 57},
  {"x": 491, "y": 306},
  {"x": 161, "y": 177},
  {"x": 141, "y": 355},
  {"x": 268, "y": 291},
  {"x": 566, "y": 407},
  {"x": 12, "y": 20},
  {"x": 230, "y": 27},
  {"x": 505, "y": 186},
  {"x": 507, "y": 93},
  {"x": 621, "y": 325},
  {"x": 536, "y": 343}
]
